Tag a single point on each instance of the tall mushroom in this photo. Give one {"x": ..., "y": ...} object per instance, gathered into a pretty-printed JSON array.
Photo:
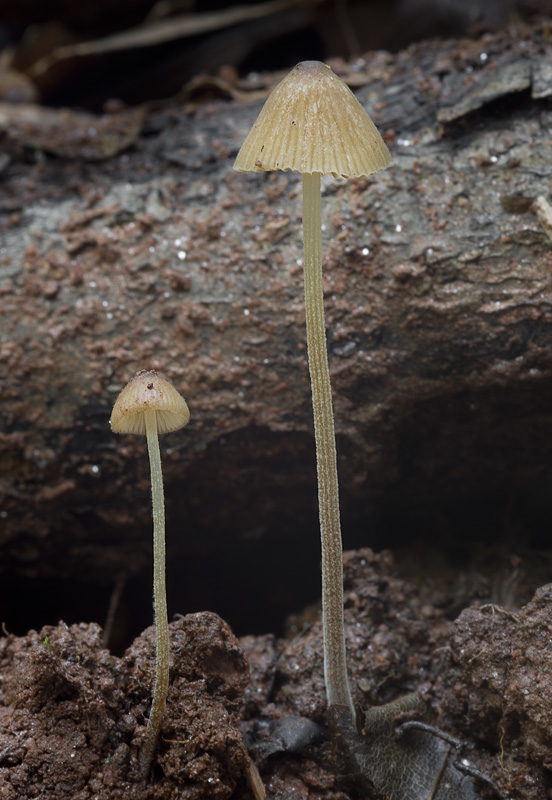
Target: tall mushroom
[
  {"x": 150, "y": 405},
  {"x": 313, "y": 123}
]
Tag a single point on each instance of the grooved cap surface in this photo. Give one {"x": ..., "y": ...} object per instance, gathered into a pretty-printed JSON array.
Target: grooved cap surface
[
  {"x": 148, "y": 391},
  {"x": 312, "y": 122}
]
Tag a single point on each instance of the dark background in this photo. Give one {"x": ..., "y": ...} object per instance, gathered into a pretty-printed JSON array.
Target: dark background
[{"x": 292, "y": 32}]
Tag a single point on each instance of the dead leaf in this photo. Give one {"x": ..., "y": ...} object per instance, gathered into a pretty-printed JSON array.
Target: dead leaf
[
  {"x": 166, "y": 30},
  {"x": 71, "y": 134}
]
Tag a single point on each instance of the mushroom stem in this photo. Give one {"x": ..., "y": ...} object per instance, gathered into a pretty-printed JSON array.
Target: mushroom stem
[
  {"x": 162, "y": 662},
  {"x": 335, "y": 665}
]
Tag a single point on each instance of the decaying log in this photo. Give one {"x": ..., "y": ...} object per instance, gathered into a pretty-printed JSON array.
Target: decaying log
[{"x": 438, "y": 302}]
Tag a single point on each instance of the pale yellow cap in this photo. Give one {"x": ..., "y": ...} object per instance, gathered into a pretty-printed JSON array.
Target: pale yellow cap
[
  {"x": 312, "y": 122},
  {"x": 148, "y": 391}
]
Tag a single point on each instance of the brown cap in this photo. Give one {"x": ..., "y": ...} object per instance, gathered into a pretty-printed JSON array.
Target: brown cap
[
  {"x": 312, "y": 122},
  {"x": 148, "y": 391}
]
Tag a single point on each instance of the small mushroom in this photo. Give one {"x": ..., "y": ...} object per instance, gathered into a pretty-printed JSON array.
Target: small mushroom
[
  {"x": 150, "y": 405},
  {"x": 314, "y": 124}
]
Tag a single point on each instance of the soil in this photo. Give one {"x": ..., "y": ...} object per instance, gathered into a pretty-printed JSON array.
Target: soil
[{"x": 72, "y": 715}]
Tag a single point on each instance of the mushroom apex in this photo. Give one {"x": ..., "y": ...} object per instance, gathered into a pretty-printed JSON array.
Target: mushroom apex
[
  {"x": 148, "y": 391},
  {"x": 312, "y": 122}
]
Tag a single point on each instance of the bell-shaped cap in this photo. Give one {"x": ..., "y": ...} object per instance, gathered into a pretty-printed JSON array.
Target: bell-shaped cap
[
  {"x": 312, "y": 122},
  {"x": 148, "y": 391}
]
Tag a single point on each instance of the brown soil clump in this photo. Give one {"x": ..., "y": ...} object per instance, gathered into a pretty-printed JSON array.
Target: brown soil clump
[{"x": 72, "y": 716}]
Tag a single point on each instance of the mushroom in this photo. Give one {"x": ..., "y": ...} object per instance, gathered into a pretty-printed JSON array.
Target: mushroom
[
  {"x": 150, "y": 405},
  {"x": 313, "y": 123}
]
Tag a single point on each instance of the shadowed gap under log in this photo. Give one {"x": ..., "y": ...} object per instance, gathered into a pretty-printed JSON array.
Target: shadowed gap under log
[{"x": 461, "y": 480}]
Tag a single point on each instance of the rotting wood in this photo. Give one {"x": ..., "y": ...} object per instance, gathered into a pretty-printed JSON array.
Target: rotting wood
[{"x": 437, "y": 301}]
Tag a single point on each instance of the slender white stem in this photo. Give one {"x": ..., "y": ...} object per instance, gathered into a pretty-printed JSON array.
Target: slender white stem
[
  {"x": 335, "y": 665},
  {"x": 162, "y": 659}
]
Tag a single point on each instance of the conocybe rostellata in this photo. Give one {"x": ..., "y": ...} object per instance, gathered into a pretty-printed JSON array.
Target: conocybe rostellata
[
  {"x": 313, "y": 123},
  {"x": 150, "y": 405}
]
